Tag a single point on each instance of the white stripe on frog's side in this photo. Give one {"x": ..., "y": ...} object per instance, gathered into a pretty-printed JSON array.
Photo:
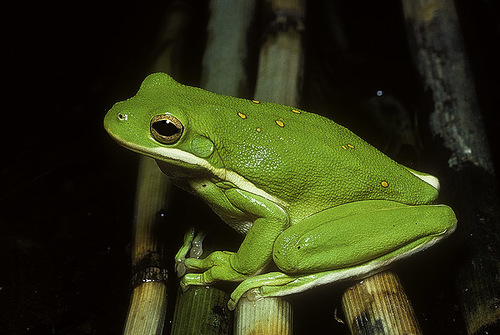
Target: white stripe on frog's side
[
  {"x": 163, "y": 153},
  {"x": 429, "y": 179}
]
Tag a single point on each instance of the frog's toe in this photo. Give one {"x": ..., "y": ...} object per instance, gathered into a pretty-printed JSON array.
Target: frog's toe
[
  {"x": 196, "y": 279},
  {"x": 186, "y": 282},
  {"x": 231, "y": 304},
  {"x": 253, "y": 287},
  {"x": 184, "y": 287},
  {"x": 180, "y": 269},
  {"x": 197, "y": 245},
  {"x": 180, "y": 256},
  {"x": 252, "y": 294}
]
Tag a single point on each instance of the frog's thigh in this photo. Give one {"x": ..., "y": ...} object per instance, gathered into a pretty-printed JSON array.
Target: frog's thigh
[{"x": 357, "y": 232}]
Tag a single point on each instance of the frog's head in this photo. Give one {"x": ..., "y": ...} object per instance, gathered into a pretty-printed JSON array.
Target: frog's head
[{"x": 155, "y": 123}]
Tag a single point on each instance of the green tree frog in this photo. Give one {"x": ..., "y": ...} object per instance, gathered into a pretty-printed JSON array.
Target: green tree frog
[{"x": 309, "y": 195}]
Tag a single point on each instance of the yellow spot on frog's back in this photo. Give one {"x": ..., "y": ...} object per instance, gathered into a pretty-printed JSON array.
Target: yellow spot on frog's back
[
  {"x": 280, "y": 123},
  {"x": 344, "y": 147},
  {"x": 243, "y": 116},
  {"x": 350, "y": 146},
  {"x": 384, "y": 184},
  {"x": 256, "y": 101},
  {"x": 258, "y": 129},
  {"x": 296, "y": 111}
]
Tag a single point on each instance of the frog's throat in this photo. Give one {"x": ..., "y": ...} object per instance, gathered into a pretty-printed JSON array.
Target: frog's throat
[{"x": 172, "y": 154}]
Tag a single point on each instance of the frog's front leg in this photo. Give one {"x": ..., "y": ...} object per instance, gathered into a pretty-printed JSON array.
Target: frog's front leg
[
  {"x": 346, "y": 242},
  {"x": 256, "y": 249}
]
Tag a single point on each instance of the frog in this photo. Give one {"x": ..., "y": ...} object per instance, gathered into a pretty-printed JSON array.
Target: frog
[{"x": 315, "y": 203}]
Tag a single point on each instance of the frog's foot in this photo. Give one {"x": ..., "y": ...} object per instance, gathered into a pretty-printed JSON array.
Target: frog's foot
[
  {"x": 276, "y": 284},
  {"x": 255, "y": 288},
  {"x": 193, "y": 245},
  {"x": 215, "y": 267}
]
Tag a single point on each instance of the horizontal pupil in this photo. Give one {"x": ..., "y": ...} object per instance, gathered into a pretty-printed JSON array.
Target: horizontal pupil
[{"x": 165, "y": 128}]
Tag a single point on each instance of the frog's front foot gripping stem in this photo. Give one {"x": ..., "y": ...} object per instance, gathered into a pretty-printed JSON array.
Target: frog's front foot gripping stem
[{"x": 193, "y": 245}]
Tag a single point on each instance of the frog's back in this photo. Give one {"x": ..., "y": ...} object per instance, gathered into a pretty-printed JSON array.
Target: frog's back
[
  {"x": 305, "y": 159},
  {"x": 308, "y": 158}
]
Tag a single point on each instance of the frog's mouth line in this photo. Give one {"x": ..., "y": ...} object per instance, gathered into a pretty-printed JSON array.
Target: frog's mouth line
[{"x": 176, "y": 155}]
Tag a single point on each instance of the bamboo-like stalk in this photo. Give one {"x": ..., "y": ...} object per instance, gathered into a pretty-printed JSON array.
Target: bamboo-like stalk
[
  {"x": 201, "y": 310},
  {"x": 266, "y": 316},
  {"x": 147, "y": 309},
  {"x": 467, "y": 169},
  {"x": 148, "y": 304},
  {"x": 226, "y": 52},
  {"x": 378, "y": 304},
  {"x": 281, "y": 57},
  {"x": 278, "y": 80}
]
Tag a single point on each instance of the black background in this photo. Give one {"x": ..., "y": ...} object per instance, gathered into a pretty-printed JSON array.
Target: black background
[{"x": 67, "y": 191}]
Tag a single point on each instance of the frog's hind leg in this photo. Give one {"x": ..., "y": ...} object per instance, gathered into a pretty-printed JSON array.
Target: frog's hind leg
[
  {"x": 354, "y": 234},
  {"x": 275, "y": 284},
  {"x": 351, "y": 241}
]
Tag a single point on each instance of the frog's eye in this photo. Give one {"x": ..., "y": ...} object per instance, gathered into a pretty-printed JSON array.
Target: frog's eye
[{"x": 166, "y": 129}]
